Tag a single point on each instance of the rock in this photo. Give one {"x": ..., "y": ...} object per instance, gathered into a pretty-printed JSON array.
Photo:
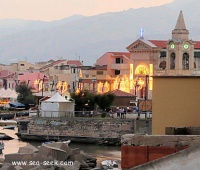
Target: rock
[
  {"x": 28, "y": 149},
  {"x": 50, "y": 154},
  {"x": 7, "y": 166}
]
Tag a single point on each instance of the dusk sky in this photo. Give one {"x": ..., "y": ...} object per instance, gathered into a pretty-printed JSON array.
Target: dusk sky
[{"x": 47, "y": 10}]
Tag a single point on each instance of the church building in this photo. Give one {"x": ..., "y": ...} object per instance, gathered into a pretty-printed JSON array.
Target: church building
[{"x": 133, "y": 71}]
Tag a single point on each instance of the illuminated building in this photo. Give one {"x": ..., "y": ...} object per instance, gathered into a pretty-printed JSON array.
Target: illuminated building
[{"x": 132, "y": 71}]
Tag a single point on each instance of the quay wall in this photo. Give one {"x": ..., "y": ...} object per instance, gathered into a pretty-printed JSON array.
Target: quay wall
[
  {"x": 140, "y": 149},
  {"x": 88, "y": 130}
]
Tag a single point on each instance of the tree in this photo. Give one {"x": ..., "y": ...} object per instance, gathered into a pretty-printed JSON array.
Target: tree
[
  {"x": 83, "y": 100},
  {"x": 25, "y": 95},
  {"x": 104, "y": 101},
  {"x": 86, "y": 100}
]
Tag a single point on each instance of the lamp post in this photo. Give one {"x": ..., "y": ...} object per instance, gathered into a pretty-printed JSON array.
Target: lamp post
[
  {"x": 146, "y": 88},
  {"x": 28, "y": 82},
  {"x": 61, "y": 88},
  {"x": 136, "y": 86},
  {"x": 43, "y": 84}
]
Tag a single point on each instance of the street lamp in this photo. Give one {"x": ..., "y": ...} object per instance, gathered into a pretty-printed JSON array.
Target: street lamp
[
  {"x": 136, "y": 87},
  {"x": 28, "y": 82},
  {"x": 146, "y": 88},
  {"x": 43, "y": 84}
]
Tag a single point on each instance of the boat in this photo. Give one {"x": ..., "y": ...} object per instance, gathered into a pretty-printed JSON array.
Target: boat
[
  {"x": 109, "y": 165},
  {"x": 5, "y": 116},
  {"x": 9, "y": 127},
  {"x": 3, "y": 136},
  {"x": 49, "y": 142},
  {"x": 7, "y": 122}
]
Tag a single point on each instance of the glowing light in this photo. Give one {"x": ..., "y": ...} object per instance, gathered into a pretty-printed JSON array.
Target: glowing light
[
  {"x": 116, "y": 83},
  {"x": 77, "y": 91},
  {"x": 131, "y": 76},
  {"x": 150, "y": 77},
  {"x": 141, "y": 69},
  {"x": 38, "y": 84},
  {"x": 80, "y": 75},
  {"x": 141, "y": 33},
  {"x": 62, "y": 86},
  {"x": 138, "y": 83},
  {"x": 123, "y": 84},
  {"x": 103, "y": 87}
]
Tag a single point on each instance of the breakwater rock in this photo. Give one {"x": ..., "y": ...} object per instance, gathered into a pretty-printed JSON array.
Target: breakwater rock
[{"x": 53, "y": 156}]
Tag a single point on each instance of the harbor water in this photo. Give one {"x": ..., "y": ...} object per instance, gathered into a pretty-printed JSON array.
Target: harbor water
[{"x": 99, "y": 152}]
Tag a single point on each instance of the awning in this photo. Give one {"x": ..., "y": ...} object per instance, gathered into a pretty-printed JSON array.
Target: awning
[{"x": 16, "y": 105}]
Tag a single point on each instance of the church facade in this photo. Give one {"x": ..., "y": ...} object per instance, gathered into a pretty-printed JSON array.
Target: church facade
[{"x": 133, "y": 71}]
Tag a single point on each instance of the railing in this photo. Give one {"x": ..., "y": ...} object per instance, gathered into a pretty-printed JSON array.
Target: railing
[{"x": 67, "y": 113}]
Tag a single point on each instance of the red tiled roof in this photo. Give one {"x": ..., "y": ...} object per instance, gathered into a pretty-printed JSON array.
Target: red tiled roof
[
  {"x": 159, "y": 43},
  {"x": 118, "y": 92},
  {"x": 163, "y": 43},
  {"x": 197, "y": 44},
  {"x": 120, "y": 53},
  {"x": 52, "y": 64},
  {"x": 74, "y": 62}
]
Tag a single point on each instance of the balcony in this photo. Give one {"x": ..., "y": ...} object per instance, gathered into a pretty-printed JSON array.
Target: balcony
[
  {"x": 119, "y": 66},
  {"x": 160, "y": 72}
]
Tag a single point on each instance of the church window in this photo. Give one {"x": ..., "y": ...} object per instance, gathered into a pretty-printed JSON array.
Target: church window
[
  {"x": 172, "y": 61},
  {"x": 162, "y": 54},
  {"x": 162, "y": 65},
  {"x": 185, "y": 61},
  {"x": 195, "y": 66},
  {"x": 141, "y": 69}
]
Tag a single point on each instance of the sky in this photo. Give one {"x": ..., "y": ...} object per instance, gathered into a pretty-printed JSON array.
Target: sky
[{"x": 48, "y": 10}]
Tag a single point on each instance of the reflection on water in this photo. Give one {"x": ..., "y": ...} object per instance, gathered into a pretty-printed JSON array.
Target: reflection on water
[
  {"x": 99, "y": 152},
  {"x": 11, "y": 146}
]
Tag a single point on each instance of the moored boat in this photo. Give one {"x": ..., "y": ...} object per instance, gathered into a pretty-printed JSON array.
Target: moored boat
[
  {"x": 49, "y": 142},
  {"x": 7, "y": 122},
  {"x": 3, "y": 136},
  {"x": 6, "y": 116},
  {"x": 9, "y": 127}
]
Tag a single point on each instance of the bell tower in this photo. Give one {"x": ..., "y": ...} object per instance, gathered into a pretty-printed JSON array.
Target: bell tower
[{"x": 180, "y": 50}]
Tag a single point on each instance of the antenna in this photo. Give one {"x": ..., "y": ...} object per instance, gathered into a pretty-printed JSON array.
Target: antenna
[{"x": 78, "y": 56}]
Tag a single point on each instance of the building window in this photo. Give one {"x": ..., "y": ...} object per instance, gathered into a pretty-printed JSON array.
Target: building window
[
  {"x": 64, "y": 67},
  {"x": 162, "y": 65},
  {"x": 74, "y": 70},
  {"x": 117, "y": 72},
  {"x": 99, "y": 72},
  {"x": 162, "y": 54},
  {"x": 185, "y": 61},
  {"x": 117, "y": 61},
  {"x": 197, "y": 54},
  {"x": 141, "y": 69},
  {"x": 172, "y": 61},
  {"x": 21, "y": 64}
]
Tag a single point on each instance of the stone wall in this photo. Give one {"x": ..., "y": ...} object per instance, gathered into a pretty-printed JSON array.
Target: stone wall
[
  {"x": 80, "y": 129},
  {"x": 160, "y": 140},
  {"x": 139, "y": 149}
]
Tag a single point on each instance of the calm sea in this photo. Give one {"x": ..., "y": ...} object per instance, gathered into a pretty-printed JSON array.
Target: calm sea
[{"x": 99, "y": 152}]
